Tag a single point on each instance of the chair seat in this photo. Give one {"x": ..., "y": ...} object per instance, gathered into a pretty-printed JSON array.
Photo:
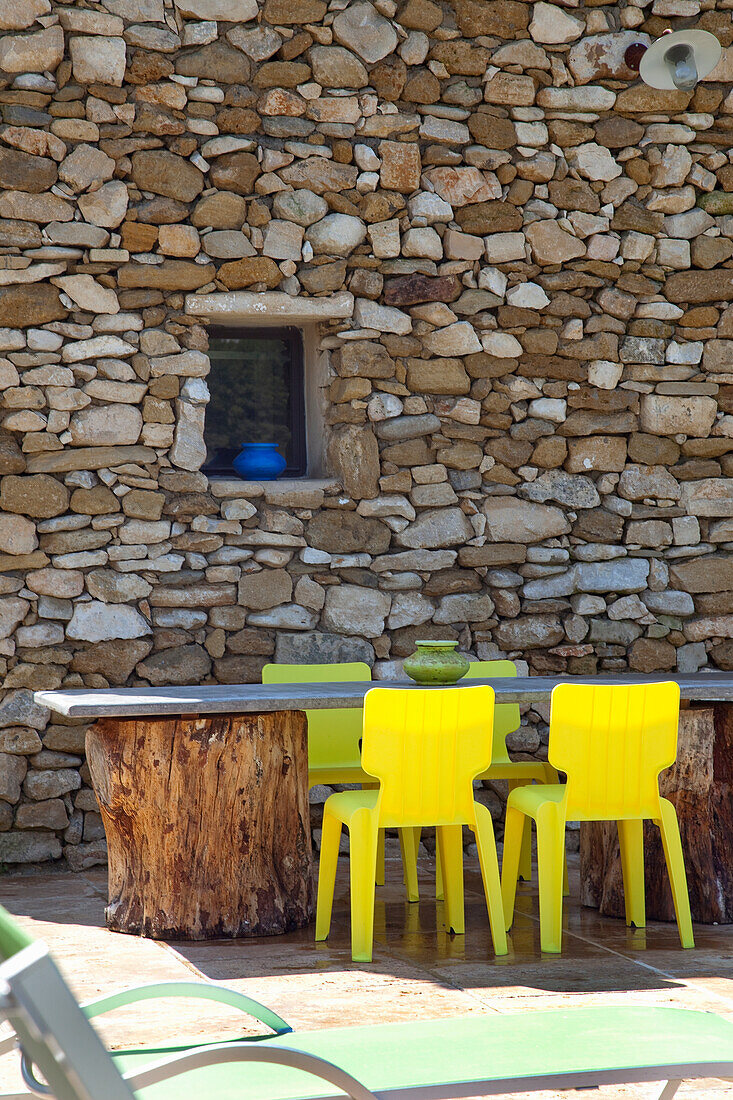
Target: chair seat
[
  {"x": 344, "y": 805},
  {"x": 339, "y": 773},
  {"x": 529, "y": 799},
  {"x": 476, "y": 1055},
  {"x": 517, "y": 769}
]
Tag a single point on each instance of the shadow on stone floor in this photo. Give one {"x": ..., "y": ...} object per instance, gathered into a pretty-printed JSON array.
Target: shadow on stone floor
[{"x": 599, "y": 954}]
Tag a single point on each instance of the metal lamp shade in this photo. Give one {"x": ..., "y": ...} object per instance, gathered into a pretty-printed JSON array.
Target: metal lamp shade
[{"x": 657, "y": 73}]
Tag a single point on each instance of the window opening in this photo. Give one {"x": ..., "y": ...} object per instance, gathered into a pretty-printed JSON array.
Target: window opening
[{"x": 256, "y": 387}]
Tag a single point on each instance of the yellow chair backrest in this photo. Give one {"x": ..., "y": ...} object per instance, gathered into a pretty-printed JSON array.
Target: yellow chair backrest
[
  {"x": 426, "y": 746},
  {"x": 333, "y": 735},
  {"x": 613, "y": 741},
  {"x": 506, "y": 715}
]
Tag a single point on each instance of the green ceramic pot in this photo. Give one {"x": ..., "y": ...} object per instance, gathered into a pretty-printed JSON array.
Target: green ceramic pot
[{"x": 435, "y": 663}]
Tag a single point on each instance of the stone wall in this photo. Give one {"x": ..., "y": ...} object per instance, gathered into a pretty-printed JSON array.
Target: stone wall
[{"x": 528, "y": 428}]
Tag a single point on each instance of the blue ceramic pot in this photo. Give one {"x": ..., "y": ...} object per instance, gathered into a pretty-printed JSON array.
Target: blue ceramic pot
[{"x": 259, "y": 462}]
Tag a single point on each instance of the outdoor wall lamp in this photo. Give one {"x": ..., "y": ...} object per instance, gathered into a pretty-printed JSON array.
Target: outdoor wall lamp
[{"x": 676, "y": 60}]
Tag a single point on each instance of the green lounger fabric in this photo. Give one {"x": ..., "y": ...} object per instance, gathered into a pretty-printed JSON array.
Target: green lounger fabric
[
  {"x": 12, "y": 936},
  {"x": 450, "y": 1057}
]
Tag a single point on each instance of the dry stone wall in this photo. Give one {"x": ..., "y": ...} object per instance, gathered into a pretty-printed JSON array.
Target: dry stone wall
[{"x": 529, "y": 419}]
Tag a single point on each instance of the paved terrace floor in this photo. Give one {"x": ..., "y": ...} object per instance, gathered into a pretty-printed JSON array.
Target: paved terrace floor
[{"x": 417, "y": 971}]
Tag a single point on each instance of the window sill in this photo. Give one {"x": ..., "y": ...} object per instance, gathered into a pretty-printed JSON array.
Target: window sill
[
  {"x": 297, "y": 492},
  {"x": 244, "y": 307}
]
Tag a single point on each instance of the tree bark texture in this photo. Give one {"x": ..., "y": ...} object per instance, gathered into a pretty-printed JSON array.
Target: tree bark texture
[
  {"x": 700, "y": 785},
  {"x": 207, "y": 823}
]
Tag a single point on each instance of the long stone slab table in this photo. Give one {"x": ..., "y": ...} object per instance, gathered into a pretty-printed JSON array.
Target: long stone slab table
[
  {"x": 204, "y": 795},
  {"x": 709, "y": 687}
]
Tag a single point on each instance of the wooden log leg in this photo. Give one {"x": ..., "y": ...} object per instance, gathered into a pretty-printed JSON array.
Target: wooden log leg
[
  {"x": 700, "y": 787},
  {"x": 601, "y": 881},
  {"x": 207, "y": 824}
]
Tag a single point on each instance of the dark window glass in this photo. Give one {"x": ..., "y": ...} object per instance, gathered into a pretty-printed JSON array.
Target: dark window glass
[{"x": 256, "y": 386}]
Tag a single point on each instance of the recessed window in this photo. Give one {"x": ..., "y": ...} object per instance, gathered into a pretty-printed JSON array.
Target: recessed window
[{"x": 256, "y": 386}]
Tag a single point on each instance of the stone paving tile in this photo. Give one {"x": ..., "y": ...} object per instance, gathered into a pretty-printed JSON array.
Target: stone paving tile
[{"x": 419, "y": 970}]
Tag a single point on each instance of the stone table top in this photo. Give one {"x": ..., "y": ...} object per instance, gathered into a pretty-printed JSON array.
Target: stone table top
[{"x": 708, "y": 687}]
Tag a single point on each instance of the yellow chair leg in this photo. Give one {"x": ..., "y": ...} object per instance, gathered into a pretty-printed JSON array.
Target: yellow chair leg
[
  {"x": 550, "y": 854},
  {"x": 450, "y": 845},
  {"x": 362, "y": 858},
  {"x": 408, "y": 847},
  {"x": 413, "y": 892},
  {"x": 417, "y": 834},
  {"x": 513, "y": 833},
  {"x": 672, "y": 845},
  {"x": 486, "y": 844},
  {"x": 409, "y": 862},
  {"x": 379, "y": 876},
  {"x": 631, "y": 842},
  {"x": 525, "y": 858},
  {"x": 551, "y": 776},
  {"x": 330, "y": 841},
  {"x": 439, "y": 890}
]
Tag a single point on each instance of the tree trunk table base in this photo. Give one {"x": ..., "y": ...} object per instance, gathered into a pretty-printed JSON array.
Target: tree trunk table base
[
  {"x": 700, "y": 785},
  {"x": 207, "y": 823}
]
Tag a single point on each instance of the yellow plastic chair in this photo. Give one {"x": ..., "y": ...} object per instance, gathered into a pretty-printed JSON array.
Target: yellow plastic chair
[
  {"x": 334, "y": 737},
  {"x": 612, "y": 741},
  {"x": 425, "y": 747},
  {"x": 517, "y": 773}
]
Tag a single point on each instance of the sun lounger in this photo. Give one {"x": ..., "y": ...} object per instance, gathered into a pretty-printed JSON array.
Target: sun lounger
[{"x": 478, "y": 1055}]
